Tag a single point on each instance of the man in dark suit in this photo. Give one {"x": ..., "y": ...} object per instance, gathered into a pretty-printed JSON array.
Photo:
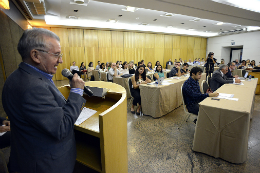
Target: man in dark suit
[
  {"x": 219, "y": 78},
  {"x": 231, "y": 67},
  {"x": 42, "y": 120},
  {"x": 175, "y": 71}
]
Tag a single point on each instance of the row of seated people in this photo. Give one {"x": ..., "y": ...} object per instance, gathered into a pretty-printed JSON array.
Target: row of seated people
[{"x": 191, "y": 89}]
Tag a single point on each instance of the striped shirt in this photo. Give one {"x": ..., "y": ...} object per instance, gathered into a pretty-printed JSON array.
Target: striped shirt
[{"x": 49, "y": 77}]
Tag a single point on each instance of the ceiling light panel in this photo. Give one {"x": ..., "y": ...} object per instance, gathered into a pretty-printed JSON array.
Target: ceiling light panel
[{"x": 130, "y": 9}]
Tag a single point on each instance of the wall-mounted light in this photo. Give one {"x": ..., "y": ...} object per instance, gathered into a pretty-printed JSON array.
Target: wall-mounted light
[{"x": 4, "y": 4}]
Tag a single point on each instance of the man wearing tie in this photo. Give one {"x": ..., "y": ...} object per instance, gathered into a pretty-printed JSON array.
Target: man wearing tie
[{"x": 42, "y": 120}]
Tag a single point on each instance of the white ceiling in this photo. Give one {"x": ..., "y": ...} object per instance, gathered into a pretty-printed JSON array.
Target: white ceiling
[{"x": 96, "y": 13}]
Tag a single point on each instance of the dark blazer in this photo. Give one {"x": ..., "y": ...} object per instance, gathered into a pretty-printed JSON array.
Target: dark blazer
[
  {"x": 42, "y": 123},
  {"x": 217, "y": 80}
]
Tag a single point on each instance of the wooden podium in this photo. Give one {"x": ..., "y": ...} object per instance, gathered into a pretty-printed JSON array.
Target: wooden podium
[{"x": 101, "y": 140}]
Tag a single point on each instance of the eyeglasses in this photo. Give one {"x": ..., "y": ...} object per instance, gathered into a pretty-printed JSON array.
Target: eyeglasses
[{"x": 58, "y": 55}]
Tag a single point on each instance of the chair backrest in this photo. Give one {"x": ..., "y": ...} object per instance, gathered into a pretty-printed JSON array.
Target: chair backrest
[
  {"x": 184, "y": 106},
  {"x": 130, "y": 85},
  {"x": 209, "y": 81},
  {"x": 204, "y": 86}
]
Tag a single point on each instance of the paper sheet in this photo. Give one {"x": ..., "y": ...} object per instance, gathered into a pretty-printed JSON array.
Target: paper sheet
[
  {"x": 85, "y": 114},
  {"x": 223, "y": 95}
]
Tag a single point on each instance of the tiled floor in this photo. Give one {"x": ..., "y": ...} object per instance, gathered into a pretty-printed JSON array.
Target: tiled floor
[{"x": 157, "y": 146}]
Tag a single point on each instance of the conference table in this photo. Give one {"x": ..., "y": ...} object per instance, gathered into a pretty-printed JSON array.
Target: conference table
[
  {"x": 223, "y": 126},
  {"x": 158, "y": 100}
]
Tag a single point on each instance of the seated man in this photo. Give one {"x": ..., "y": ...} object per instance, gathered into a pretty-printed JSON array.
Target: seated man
[
  {"x": 5, "y": 138},
  {"x": 185, "y": 69},
  {"x": 191, "y": 91},
  {"x": 75, "y": 69},
  {"x": 190, "y": 63},
  {"x": 113, "y": 71},
  {"x": 169, "y": 62},
  {"x": 98, "y": 66},
  {"x": 231, "y": 67},
  {"x": 219, "y": 78},
  {"x": 175, "y": 71}
]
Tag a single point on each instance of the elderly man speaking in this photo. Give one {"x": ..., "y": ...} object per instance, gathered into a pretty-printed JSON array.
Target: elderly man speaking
[{"x": 42, "y": 120}]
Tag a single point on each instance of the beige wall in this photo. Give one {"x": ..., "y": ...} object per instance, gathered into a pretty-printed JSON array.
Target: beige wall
[{"x": 82, "y": 45}]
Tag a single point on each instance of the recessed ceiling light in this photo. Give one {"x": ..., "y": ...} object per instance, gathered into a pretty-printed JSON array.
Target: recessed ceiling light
[
  {"x": 155, "y": 20},
  {"x": 195, "y": 20},
  {"x": 169, "y": 26},
  {"x": 182, "y": 23},
  {"x": 72, "y": 17},
  {"x": 120, "y": 15},
  {"x": 76, "y": 10},
  {"x": 204, "y": 26},
  {"x": 191, "y": 29},
  {"x": 143, "y": 24},
  {"x": 253, "y": 28},
  {"x": 130, "y": 9},
  {"x": 207, "y": 31},
  {"x": 137, "y": 18},
  {"x": 167, "y": 15},
  {"x": 219, "y": 23},
  {"x": 112, "y": 20},
  {"x": 237, "y": 26}
]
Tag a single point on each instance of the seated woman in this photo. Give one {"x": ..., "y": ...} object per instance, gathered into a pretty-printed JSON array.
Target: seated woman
[
  {"x": 131, "y": 68},
  {"x": 185, "y": 69},
  {"x": 158, "y": 72},
  {"x": 90, "y": 69},
  {"x": 253, "y": 64},
  {"x": 242, "y": 65},
  {"x": 137, "y": 79},
  {"x": 149, "y": 67},
  {"x": 124, "y": 69},
  {"x": 156, "y": 64},
  {"x": 103, "y": 67},
  {"x": 83, "y": 70}
]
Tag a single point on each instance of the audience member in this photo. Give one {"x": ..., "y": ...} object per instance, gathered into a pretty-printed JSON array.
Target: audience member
[
  {"x": 175, "y": 61},
  {"x": 103, "y": 67},
  {"x": 90, "y": 69},
  {"x": 219, "y": 78},
  {"x": 156, "y": 64},
  {"x": 191, "y": 91},
  {"x": 202, "y": 62},
  {"x": 118, "y": 65},
  {"x": 158, "y": 72},
  {"x": 149, "y": 67},
  {"x": 231, "y": 68},
  {"x": 190, "y": 63},
  {"x": 185, "y": 69},
  {"x": 195, "y": 61},
  {"x": 113, "y": 72},
  {"x": 222, "y": 62},
  {"x": 210, "y": 61},
  {"x": 5, "y": 138},
  {"x": 131, "y": 67},
  {"x": 74, "y": 69},
  {"x": 175, "y": 71},
  {"x": 98, "y": 65},
  {"x": 237, "y": 63},
  {"x": 124, "y": 69},
  {"x": 180, "y": 61},
  {"x": 253, "y": 64},
  {"x": 137, "y": 79},
  {"x": 83, "y": 70},
  {"x": 242, "y": 65},
  {"x": 169, "y": 62}
]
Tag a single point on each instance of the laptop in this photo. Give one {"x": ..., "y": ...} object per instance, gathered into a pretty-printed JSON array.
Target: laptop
[
  {"x": 160, "y": 80},
  {"x": 243, "y": 78}
]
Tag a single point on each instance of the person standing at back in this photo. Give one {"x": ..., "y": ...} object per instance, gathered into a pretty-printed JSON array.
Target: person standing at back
[{"x": 42, "y": 120}]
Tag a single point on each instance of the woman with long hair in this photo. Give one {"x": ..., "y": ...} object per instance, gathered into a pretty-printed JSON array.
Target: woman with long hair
[
  {"x": 159, "y": 72},
  {"x": 137, "y": 79},
  {"x": 83, "y": 70},
  {"x": 89, "y": 70},
  {"x": 210, "y": 61}
]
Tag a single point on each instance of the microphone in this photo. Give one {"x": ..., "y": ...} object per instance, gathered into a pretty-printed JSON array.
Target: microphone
[{"x": 66, "y": 73}]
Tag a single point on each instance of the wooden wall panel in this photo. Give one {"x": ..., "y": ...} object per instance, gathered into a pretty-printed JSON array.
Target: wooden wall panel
[
  {"x": 159, "y": 54},
  {"x": 196, "y": 54},
  {"x": 75, "y": 37},
  {"x": 167, "y": 55},
  {"x": 63, "y": 34},
  {"x": 77, "y": 55},
  {"x": 129, "y": 54},
  {"x": 117, "y": 54},
  {"x": 203, "y": 54},
  {"x": 176, "y": 53},
  {"x": 104, "y": 55},
  {"x": 90, "y": 38},
  {"x": 139, "y": 40},
  {"x": 190, "y": 54},
  {"x": 149, "y": 40},
  {"x": 91, "y": 55},
  {"x": 159, "y": 41},
  {"x": 117, "y": 39},
  {"x": 104, "y": 38},
  {"x": 139, "y": 55},
  {"x": 203, "y": 43},
  {"x": 176, "y": 40},
  {"x": 168, "y": 41},
  {"x": 149, "y": 55},
  {"x": 191, "y": 41},
  {"x": 197, "y": 43},
  {"x": 129, "y": 40}
]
